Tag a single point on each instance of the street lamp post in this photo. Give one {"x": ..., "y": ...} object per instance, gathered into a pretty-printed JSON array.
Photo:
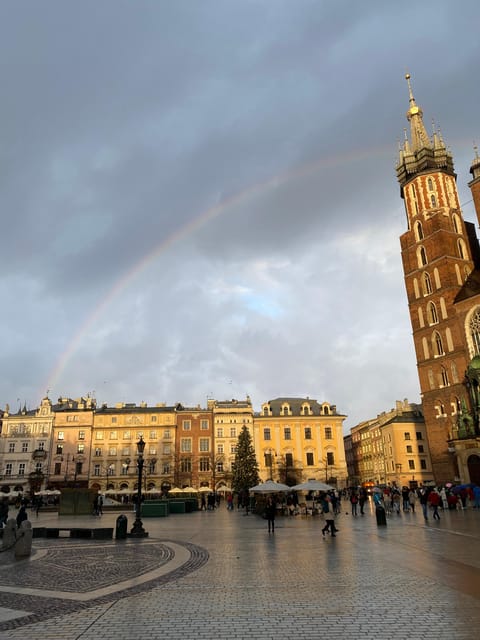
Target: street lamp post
[{"x": 137, "y": 530}]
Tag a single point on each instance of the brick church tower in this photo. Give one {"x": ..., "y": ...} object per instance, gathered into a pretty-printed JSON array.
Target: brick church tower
[{"x": 441, "y": 263}]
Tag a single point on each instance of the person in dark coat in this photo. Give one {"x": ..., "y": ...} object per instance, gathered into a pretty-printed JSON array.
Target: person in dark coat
[
  {"x": 21, "y": 515},
  {"x": 270, "y": 511}
]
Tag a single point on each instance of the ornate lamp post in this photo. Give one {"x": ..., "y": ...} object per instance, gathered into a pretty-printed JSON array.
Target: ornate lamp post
[{"x": 137, "y": 530}]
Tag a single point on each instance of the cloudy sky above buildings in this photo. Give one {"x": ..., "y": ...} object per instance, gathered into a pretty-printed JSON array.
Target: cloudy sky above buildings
[{"x": 198, "y": 198}]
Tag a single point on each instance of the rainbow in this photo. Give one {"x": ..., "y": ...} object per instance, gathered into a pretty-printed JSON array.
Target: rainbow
[{"x": 196, "y": 223}]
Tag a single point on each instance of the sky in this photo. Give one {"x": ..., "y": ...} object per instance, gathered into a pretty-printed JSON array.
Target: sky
[{"x": 199, "y": 200}]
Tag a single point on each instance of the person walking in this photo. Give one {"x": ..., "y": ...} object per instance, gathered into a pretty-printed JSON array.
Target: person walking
[
  {"x": 270, "y": 512},
  {"x": 434, "y": 499},
  {"x": 354, "y": 502},
  {"x": 423, "y": 497},
  {"x": 21, "y": 515},
  {"x": 329, "y": 513},
  {"x": 362, "y": 498},
  {"x": 412, "y": 499}
]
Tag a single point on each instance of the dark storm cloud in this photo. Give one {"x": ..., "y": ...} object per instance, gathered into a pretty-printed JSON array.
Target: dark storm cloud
[{"x": 122, "y": 124}]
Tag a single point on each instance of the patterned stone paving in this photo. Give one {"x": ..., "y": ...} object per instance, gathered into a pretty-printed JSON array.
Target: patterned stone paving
[{"x": 75, "y": 569}]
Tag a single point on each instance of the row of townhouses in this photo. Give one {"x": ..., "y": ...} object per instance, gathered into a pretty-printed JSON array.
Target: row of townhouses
[{"x": 74, "y": 443}]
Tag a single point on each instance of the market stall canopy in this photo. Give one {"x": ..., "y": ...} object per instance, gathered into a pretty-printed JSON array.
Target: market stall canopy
[
  {"x": 312, "y": 485},
  {"x": 270, "y": 486}
]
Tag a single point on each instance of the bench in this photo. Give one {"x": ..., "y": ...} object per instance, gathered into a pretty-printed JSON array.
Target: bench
[{"x": 101, "y": 533}]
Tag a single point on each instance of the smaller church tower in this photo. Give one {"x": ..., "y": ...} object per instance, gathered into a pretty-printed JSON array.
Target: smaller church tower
[{"x": 440, "y": 255}]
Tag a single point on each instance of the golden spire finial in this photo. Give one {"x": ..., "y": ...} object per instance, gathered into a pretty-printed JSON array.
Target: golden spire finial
[{"x": 410, "y": 92}]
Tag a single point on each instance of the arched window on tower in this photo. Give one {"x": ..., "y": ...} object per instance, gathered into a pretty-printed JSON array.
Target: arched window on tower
[
  {"x": 432, "y": 313},
  {"x": 418, "y": 231},
  {"x": 444, "y": 376},
  {"x": 431, "y": 379},
  {"x": 437, "y": 344},
  {"x": 475, "y": 332},
  {"x": 427, "y": 284},
  {"x": 462, "y": 251},
  {"x": 433, "y": 201},
  {"x": 430, "y": 184},
  {"x": 421, "y": 256}
]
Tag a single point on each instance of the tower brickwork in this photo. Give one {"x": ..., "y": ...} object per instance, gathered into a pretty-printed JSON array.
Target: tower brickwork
[{"x": 440, "y": 256}]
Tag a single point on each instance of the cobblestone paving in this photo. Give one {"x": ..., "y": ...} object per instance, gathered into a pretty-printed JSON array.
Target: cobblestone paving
[{"x": 411, "y": 580}]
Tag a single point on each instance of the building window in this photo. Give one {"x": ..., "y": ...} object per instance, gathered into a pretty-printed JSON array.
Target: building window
[
  {"x": 268, "y": 460},
  {"x": 112, "y": 451},
  {"x": 287, "y": 433},
  {"x": 420, "y": 448},
  {"x": 204, "y": 444},
  {"x": 423, "y": 464},
  {"x": 96, "y": 469},
  {"x": 60, "y": 435},
  {"x": 185, "y": 465},
  {"x": 433, "y": 201},
  {"x": 153, "y": 419},
  {"x": 98, "y": 452},
  {"x": 328, "y": 433},
  {"x": 38, "y": 467},
  {"x": 186, "y": 445},
  {"x": 204, "y": 464},
  {"x": 21, "y": 469},
  {"x": 99, "y": 435},
  {"x": 126, "y": 451},
  {"x": 114, "y": 420},
  {"x": 220, "y": 467},
  {"x": 186, "y": 425},
  {"x": 24, "y": 447},
  {"x": 289, "y": 460},
  {"x": 437, "y": 344},
  {"x": 409, "y": 448},
  {"x": 41, "y": 446},
  {"x": 266, "y": 433},
  {"x": 166, "y": 468},
  {"x": 330, "y": 458},
  {"x": 167, "y": 449},
  {"x": 219, "y": 432},
  {"x": 81, "y": 435},
  {"x": 411, "y": 464},
  {"x": 432, "y": 313},
  {"x": 204, "y": 425},
  {"x": 233, "y": 432},
  {"x": 308, "y": 433},
  {"x": 309, "y": 459},
  {"x": 153, "y": 435},
  {"x": 427, "y": 284},
  {"x": 59, "y": 450},
  {"x": 8, "y": 469},
  {"x": 220, "y": 448},
  {"x": 80, "y": 448},
  {"x": 419, "y": 435},
  {"x": 233, "y": 448},
  {"x": 444, "y": 375},
  {"x": 124, "y": 470},
  {"x": 11, "y": 447},
  {"x": 57, "y": 469},
  {"x": 406, "y": 435},
  {"x": 127, "y": 435},
  {"x": 113, "y": 435}
]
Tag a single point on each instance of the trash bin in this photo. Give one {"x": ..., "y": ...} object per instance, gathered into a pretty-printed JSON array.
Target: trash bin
[
  {"x": 121, "y": 527},
  {"x": 381, "y": 516}
]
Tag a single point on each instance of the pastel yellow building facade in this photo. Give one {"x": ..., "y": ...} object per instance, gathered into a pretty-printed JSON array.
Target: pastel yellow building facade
[{"x": 297, "y": 439}]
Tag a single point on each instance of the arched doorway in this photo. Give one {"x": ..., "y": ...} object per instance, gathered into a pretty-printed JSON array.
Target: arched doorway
[{"x": 473, "y": 463}]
